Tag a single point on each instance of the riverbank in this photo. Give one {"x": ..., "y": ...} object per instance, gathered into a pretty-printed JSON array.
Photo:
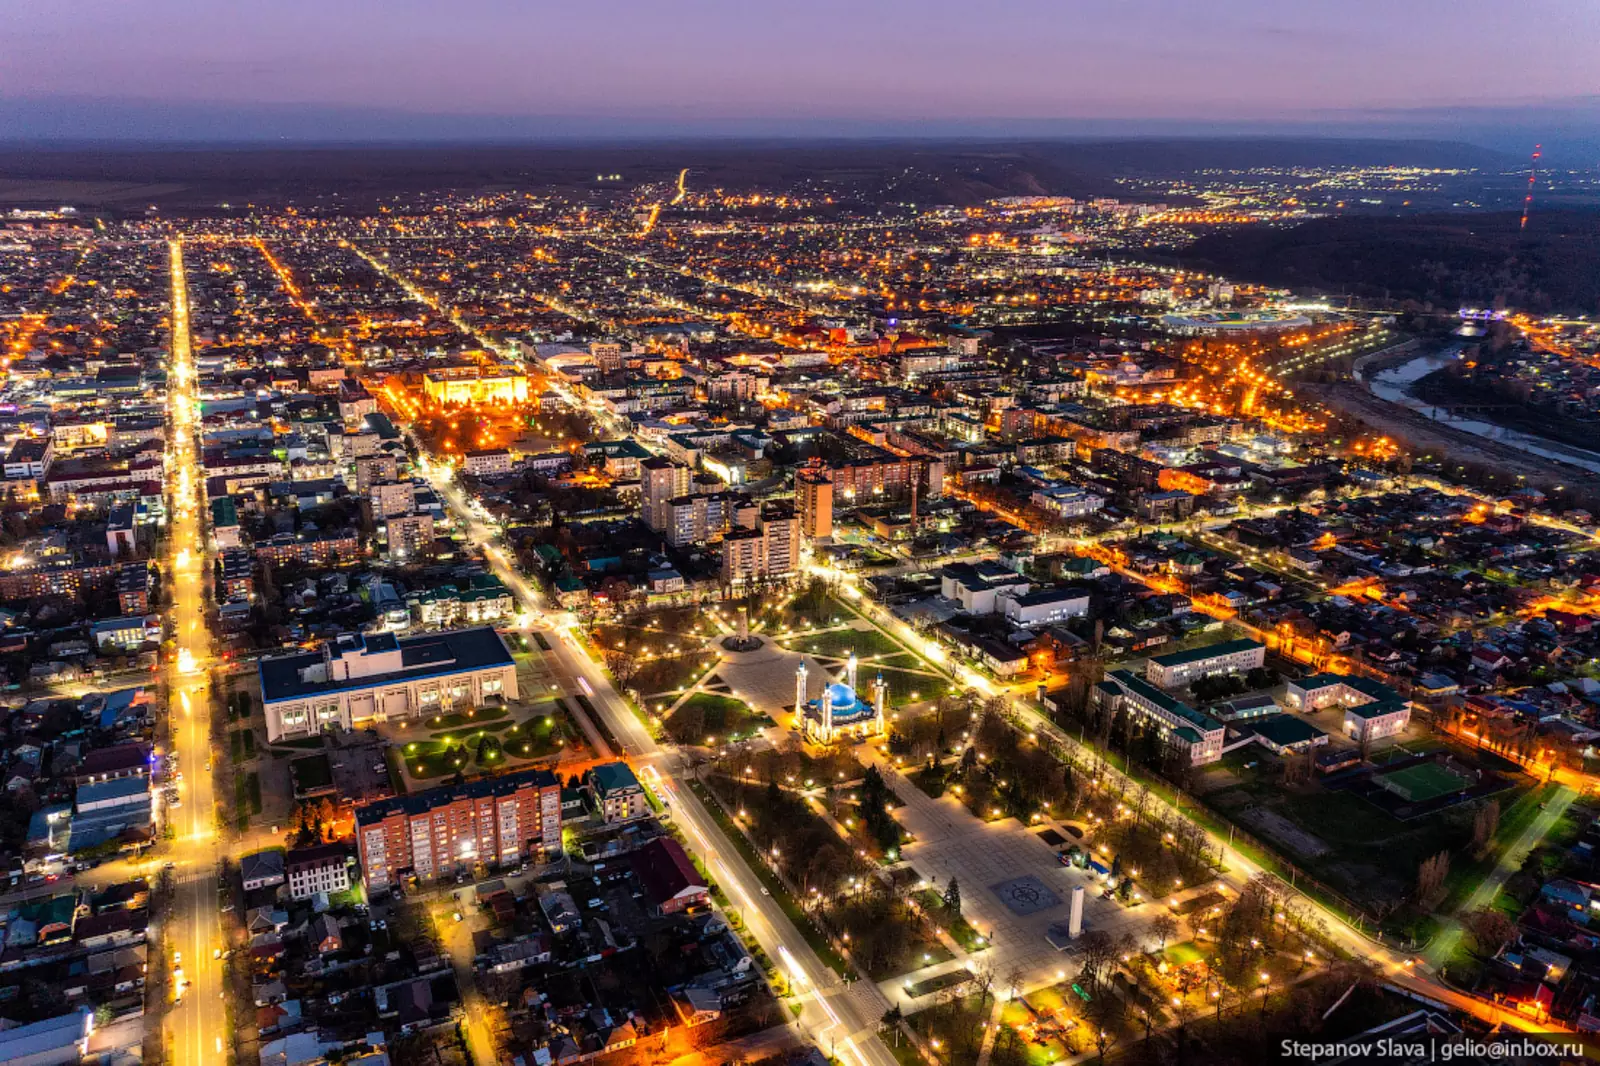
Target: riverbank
[{"x": 1430, "y": 440}]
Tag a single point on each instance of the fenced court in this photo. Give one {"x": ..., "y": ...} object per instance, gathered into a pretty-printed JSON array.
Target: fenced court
[{"x": 1427, "y": 780}]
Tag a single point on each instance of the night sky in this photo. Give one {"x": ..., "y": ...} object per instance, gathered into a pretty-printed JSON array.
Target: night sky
[{"x": 847, "y": 60}]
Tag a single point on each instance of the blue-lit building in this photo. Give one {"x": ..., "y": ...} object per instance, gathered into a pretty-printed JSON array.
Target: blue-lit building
[{"x": 837, "y": 711}]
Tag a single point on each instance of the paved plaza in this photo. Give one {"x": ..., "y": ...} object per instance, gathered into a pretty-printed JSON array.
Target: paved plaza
[
  {"x": 1013, "y": 888},
  {"x": 1025, "y": 895}
]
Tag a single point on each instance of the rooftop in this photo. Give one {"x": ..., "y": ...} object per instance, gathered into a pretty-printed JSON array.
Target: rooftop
[
  {"x": 1146, "y": 691},
  {"x": 1210, "y": 651},
  {"x": 458, "y": 651},
  {"x": 422, "y": 802}
]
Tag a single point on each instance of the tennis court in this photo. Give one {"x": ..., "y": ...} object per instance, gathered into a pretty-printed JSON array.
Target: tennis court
[{"x": 1423, "y": 782}]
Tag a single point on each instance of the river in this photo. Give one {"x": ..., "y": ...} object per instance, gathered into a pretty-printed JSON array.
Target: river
[{"x": 1394, "y": 384}]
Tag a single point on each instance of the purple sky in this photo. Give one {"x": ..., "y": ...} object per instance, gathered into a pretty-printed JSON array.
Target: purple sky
[{"x": 809, "y": 59}]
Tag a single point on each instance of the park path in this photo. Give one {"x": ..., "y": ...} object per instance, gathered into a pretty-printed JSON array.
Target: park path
[
  {"x": 1438, "y": 952},
  {"x": 991, "y": 1031}
]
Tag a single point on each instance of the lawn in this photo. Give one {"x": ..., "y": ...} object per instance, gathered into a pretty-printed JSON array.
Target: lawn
[
  {"x": 431, "y": 758},
  {"x": 907, "y": 687},
  {"x": 957, "y": 926},
  {"x": 839, "y": 643},
  {"x": 930, "y": 779},
  {"x": 475, "y": 717},
  {"x": 707, "y": 714},
  {"x": 543, "y": 733}
]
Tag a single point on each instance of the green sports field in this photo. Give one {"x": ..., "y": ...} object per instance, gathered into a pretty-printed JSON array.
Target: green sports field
[{"x": 1424, "y": 782}]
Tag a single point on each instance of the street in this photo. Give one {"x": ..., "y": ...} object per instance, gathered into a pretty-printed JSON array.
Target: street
[{"x": 199, "y": 1022}]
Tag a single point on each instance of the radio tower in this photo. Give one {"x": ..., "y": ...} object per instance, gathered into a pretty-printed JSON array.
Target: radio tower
[{"x": 1533, "y": 173}]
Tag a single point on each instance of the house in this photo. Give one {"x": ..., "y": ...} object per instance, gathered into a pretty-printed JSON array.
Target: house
[
  {"x": 697, "y": 1006},
  {"x": 261, "y": 869},
  {"x": 324, "y": 935},
  {"x": 1533, "y": 998},
  {"x": 618, "y": 792},
  {"x": 1573, "y": 898},
  {"x": 266, "y": 920},
  {"x": 671, "y": 883}
]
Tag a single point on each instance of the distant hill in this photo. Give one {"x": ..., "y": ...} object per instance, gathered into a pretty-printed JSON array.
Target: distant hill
[{"x": 1447, "y": 260}]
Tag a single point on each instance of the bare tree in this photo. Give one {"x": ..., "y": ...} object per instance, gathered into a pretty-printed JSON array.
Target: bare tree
[
  {"x": 1162, "y": 926},
  {"x": 1431, "y": 876},
  {"x": 1484, "y": 825},
  {"x": 1097, "y": 950}
]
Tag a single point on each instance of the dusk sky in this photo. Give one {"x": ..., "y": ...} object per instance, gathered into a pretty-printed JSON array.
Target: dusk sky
[{"x": 818, "y": 60}]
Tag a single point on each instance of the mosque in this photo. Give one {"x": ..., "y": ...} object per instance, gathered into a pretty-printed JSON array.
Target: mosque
[{"x": 838, "y": 712}]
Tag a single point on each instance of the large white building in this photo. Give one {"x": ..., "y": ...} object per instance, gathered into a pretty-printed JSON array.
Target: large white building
[
  {"x": 1067, "y": 501},
  {"x": 357, "y": 678},
  {"x": 1184, "y": 667},
  {"x": 1043, "y": 606},
  {"x": 976, "y": 587},
  {"x": 1372, "y": 709},
  {"x": 1180, "y": 725}
]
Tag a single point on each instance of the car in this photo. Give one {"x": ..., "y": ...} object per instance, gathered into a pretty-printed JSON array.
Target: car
[
  {"x": 765, "y": 891},
  {"x": 456, "y": 916},
  {"x": 208, "y": 767},
  {"x": 168, "y": 865},
  {"x": 216, "y": 953}
]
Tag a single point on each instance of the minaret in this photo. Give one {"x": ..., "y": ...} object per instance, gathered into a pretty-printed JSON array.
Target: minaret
[
  {"x": 880, "y": 693},
  {"x": 800, "y": 691},
  {"x": 827, "y": 714},
  {"x": 850, "y": 672}
]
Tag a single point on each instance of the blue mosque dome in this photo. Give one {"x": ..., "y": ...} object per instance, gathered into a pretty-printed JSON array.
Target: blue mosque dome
[{"x": 841, "y": 695}]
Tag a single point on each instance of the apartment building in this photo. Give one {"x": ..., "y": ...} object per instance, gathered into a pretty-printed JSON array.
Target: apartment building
[
  {"x": 660, "y": 482},
  {"x": 813, "y": 489},
  {"x": 495, "y": 821}
]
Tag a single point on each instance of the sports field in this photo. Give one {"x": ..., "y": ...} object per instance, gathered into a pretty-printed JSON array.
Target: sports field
[{"x": 1424, "y": 781}]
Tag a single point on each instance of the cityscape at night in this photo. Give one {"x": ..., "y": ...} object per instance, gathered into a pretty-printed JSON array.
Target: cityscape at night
[{"x": 559, "y": 556}]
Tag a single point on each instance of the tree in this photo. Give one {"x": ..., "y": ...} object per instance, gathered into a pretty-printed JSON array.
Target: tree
[
  {"x": 1162, "y": 926},
  {"x": 891, "y": 1020},
  {"x": 952, "y": 899},
  {"x": 1431, "y": 876},
  {"x": 1491, "y": 929},
  {"x": 1484, "y": 824},
  {"x": 623, "y": 665},
  {"x": 1097, "y": 950}
]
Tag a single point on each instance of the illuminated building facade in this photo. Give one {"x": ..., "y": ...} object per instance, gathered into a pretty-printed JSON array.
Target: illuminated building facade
[
  {"x": 837, "y": 712},
  {"x": 813, "y": 489},
  {"x": 476, "y": 385},
  {"x": 495, "y": 821}
]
